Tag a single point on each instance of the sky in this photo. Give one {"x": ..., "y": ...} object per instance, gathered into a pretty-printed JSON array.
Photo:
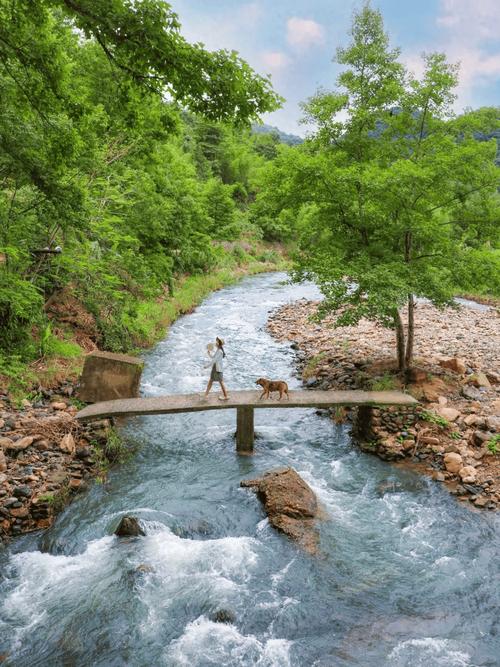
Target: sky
[{"x": 294, "y": 41}]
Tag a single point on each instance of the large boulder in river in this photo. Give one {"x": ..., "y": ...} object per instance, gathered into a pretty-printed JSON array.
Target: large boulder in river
[
  {"x": 129, "y": 526},
  {"x": 290, "y": 505}
]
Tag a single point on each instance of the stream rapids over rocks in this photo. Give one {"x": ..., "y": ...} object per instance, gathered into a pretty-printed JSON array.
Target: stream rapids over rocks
[{"x": 405, "y": 576}]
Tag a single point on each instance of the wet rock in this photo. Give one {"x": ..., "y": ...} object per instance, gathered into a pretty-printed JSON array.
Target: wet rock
[
  {"x": 452, "y": 462},
  {"x": 223, "y": 616},
  {"x": 129, "y": 527},
  {"x": 290, "y": 505},
  {"x": 144, "y": 568}
]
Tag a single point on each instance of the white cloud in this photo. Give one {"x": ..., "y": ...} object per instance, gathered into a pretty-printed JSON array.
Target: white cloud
[
  {"x": 275, "y": 60},
  {"x": 472, "y": 38},
  {"x": 469, "y": 36},
  {"x": 479, "y": 19},
  {"x": 304, "y": 33}
]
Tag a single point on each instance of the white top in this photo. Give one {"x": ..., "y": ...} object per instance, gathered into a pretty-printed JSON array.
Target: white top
[{"x": 217, "y": 359}]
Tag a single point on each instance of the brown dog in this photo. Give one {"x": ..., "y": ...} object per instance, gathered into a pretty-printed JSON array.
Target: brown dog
[{"x": 273, "y": 385}]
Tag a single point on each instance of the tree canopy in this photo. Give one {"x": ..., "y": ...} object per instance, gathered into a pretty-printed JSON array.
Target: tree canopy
[
  {"x": 392, "y": 193},
  {"x": 107, "y": 115}
]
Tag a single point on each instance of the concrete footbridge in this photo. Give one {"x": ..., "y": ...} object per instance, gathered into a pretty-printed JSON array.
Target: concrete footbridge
[{"x": 245, "y": 402}]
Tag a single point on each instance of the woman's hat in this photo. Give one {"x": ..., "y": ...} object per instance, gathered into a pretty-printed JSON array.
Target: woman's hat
[{"x": 220, "y": 340}]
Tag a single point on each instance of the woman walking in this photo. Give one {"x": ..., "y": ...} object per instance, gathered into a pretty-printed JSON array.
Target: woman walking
[{"x": 216, "y": 374}]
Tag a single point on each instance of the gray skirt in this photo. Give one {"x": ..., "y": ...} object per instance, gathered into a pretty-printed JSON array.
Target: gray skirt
[{"x": 215, "y": 375}]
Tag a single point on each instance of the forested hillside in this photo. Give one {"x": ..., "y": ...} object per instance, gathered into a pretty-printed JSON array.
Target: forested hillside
[{"x": 121, "y": 172}]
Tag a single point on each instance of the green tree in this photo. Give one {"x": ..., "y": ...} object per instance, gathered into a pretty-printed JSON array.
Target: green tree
[
  {"x": 221, "y": 210},
  {"x": 94, "y": 97},
  {"x": 388, "y": 179}
]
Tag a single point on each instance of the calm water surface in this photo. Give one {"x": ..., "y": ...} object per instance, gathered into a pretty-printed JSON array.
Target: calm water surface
[{"x": 407, "y": 577}]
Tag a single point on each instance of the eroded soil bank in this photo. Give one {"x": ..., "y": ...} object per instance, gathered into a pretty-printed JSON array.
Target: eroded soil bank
[{"x": 453, "y": 435}]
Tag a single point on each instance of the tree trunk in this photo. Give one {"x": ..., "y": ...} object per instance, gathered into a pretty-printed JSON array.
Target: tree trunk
[
  {"x": 400, "y": 341},
  {"x": 410, "y": 333}
]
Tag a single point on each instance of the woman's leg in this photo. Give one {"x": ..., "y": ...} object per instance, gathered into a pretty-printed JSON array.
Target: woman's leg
[
  {"x": 223, "y": 389},
  {"x": 209, "y": 386}
]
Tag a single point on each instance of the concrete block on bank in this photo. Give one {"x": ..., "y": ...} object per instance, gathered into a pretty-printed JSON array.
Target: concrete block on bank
[{"x": 107, "y": 376}]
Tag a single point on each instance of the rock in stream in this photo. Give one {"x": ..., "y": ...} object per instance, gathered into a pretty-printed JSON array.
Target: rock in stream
[{"x": 290, "y": 505}]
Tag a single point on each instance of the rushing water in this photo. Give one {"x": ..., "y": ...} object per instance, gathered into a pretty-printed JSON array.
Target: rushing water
[{"x": 407, "y": 577}]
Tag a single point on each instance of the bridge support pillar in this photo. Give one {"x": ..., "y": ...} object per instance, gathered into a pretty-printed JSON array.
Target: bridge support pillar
[
  {"x": 244, "y": 430},
  {"x": 363, "y": 427}
]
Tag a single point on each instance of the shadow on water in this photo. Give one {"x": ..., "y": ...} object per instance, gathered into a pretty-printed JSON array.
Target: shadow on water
[{"x": 406, "y": 576}]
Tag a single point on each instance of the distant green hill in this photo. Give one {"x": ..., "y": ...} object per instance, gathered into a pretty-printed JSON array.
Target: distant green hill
[{"x": 290, "y": 139}]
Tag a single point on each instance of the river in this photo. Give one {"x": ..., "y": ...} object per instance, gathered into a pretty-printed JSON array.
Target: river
[{"x": 406, "y": 576}]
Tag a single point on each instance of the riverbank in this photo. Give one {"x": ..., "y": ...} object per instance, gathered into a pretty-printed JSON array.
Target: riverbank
[
  {"x": 46, "y": 456},
  {"x": 74, "y": 331},
  {"x": 453, "y": 435}
]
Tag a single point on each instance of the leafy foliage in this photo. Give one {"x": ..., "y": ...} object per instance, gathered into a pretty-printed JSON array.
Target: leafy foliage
[
  {"x": 111, "y": 187},
  {"x": 392, "y": 197}
]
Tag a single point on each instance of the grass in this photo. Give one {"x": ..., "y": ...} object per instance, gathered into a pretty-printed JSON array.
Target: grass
[
  {"x": 46, "y": 498},
  {"x": 57, "y": 500},
  {"x": 115, "y": 450},
  {"x": 312, "y": 365},
  {"x": 383, "y": 383},
  {"x": 434, "y": 418},
  {"x": 494, "y": 444}
]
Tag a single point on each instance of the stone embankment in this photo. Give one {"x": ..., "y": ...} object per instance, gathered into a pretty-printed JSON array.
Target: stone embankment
[
  {"x": 453, "y": 434},
  {"x": 46, "y": 456}
]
